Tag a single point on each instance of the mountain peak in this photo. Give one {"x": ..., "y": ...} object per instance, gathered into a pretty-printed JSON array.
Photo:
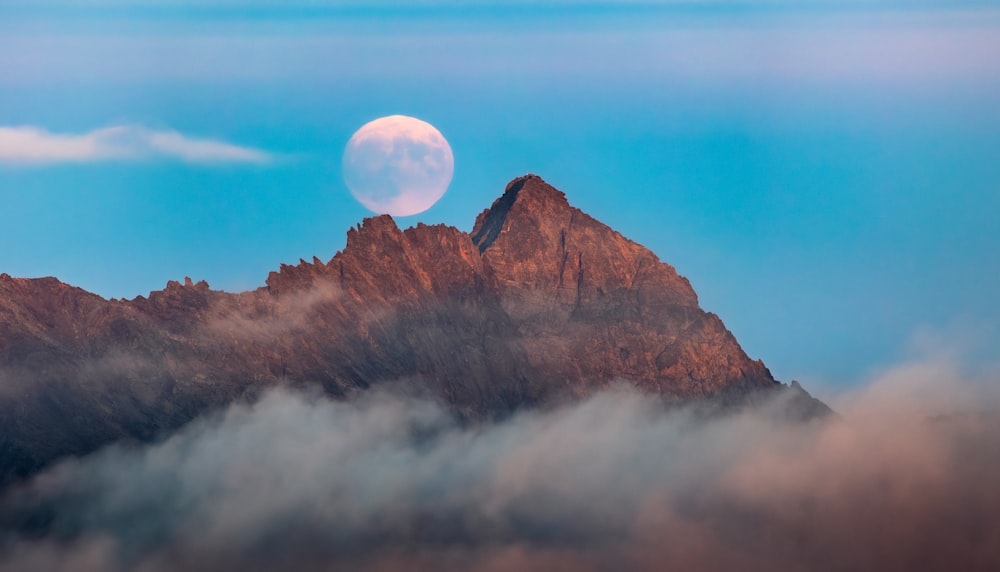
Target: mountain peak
[
  {"x": 532, "y": 186},
  {"x": 373, "y": 231},
  {"x": 526, "y": 196},
  {"x": 535, "y": 240},
  {"x": 539, "y": 302},
  {"x": 378, "y": 224}
]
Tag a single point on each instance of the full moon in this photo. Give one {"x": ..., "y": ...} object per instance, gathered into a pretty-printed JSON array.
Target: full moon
[{"x": 398, "y": 165}]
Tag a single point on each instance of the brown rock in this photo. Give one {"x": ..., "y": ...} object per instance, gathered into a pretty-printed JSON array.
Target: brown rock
[{"x": 539, "y": 302}]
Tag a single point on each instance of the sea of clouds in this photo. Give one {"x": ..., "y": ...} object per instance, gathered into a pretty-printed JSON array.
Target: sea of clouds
[{"x": 904, "y": 477}]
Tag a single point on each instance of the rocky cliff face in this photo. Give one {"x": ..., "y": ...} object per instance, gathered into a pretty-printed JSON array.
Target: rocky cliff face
[
  {"x": 539, "y": 302},
  {"x": 597, "y": 306}
]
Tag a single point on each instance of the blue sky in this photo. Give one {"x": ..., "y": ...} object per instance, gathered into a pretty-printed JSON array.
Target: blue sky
[{"x": 826, "y": 174}]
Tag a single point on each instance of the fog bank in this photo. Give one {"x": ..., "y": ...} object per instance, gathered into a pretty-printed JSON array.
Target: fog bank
[{"x": 905, "y": 478}]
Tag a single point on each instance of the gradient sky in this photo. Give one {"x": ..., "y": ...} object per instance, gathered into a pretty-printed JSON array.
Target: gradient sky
[{"x": 827, "y": 174}]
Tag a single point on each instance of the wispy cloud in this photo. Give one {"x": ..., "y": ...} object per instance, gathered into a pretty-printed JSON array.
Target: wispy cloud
[
  {"x": 907, "y": 474},
  {"x": 30, "y": 145}
]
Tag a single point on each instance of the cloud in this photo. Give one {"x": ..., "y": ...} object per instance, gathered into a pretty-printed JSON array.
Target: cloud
[
  {"x": 290, "y": 314},
  {"x": 28, "y": 145},
  {"x": 390, "y": 482},
  {"x": 768, "y": 45}
]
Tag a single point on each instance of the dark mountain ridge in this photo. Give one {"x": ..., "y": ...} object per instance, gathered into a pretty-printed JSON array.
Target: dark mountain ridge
[{"x": 539, "y": 302}]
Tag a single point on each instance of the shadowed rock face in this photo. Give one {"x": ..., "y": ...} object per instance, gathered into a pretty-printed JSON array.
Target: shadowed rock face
[{"x": 540, "y": 302}]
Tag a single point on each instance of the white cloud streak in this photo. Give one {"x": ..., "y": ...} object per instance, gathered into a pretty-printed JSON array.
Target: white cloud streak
[{"x": 30, "y": 145}]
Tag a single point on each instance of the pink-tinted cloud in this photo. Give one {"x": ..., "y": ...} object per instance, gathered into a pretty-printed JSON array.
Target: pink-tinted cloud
[{"x": 904, "y": 478}]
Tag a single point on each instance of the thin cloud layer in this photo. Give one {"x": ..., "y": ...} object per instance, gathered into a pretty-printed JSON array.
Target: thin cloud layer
[
  {"x": 29, "y": 145},
  {"x": 767, "y": 46},
  {"x": 389, "y": 482}
]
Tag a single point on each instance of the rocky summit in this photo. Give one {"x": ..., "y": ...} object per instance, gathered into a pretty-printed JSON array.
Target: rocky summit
[{"x": 539, "y": 303}]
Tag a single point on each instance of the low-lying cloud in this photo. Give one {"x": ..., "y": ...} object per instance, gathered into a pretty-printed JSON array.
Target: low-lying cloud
[
  {"x": 29, "y": 145},
  {"x": 904, "y": 478}
]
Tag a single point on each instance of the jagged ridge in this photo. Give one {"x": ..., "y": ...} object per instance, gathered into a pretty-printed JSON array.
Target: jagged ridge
[{"x": 539, "y": 302}]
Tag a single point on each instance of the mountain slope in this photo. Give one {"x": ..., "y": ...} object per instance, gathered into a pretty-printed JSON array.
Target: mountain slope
[{"x": 539, "y": 302}]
